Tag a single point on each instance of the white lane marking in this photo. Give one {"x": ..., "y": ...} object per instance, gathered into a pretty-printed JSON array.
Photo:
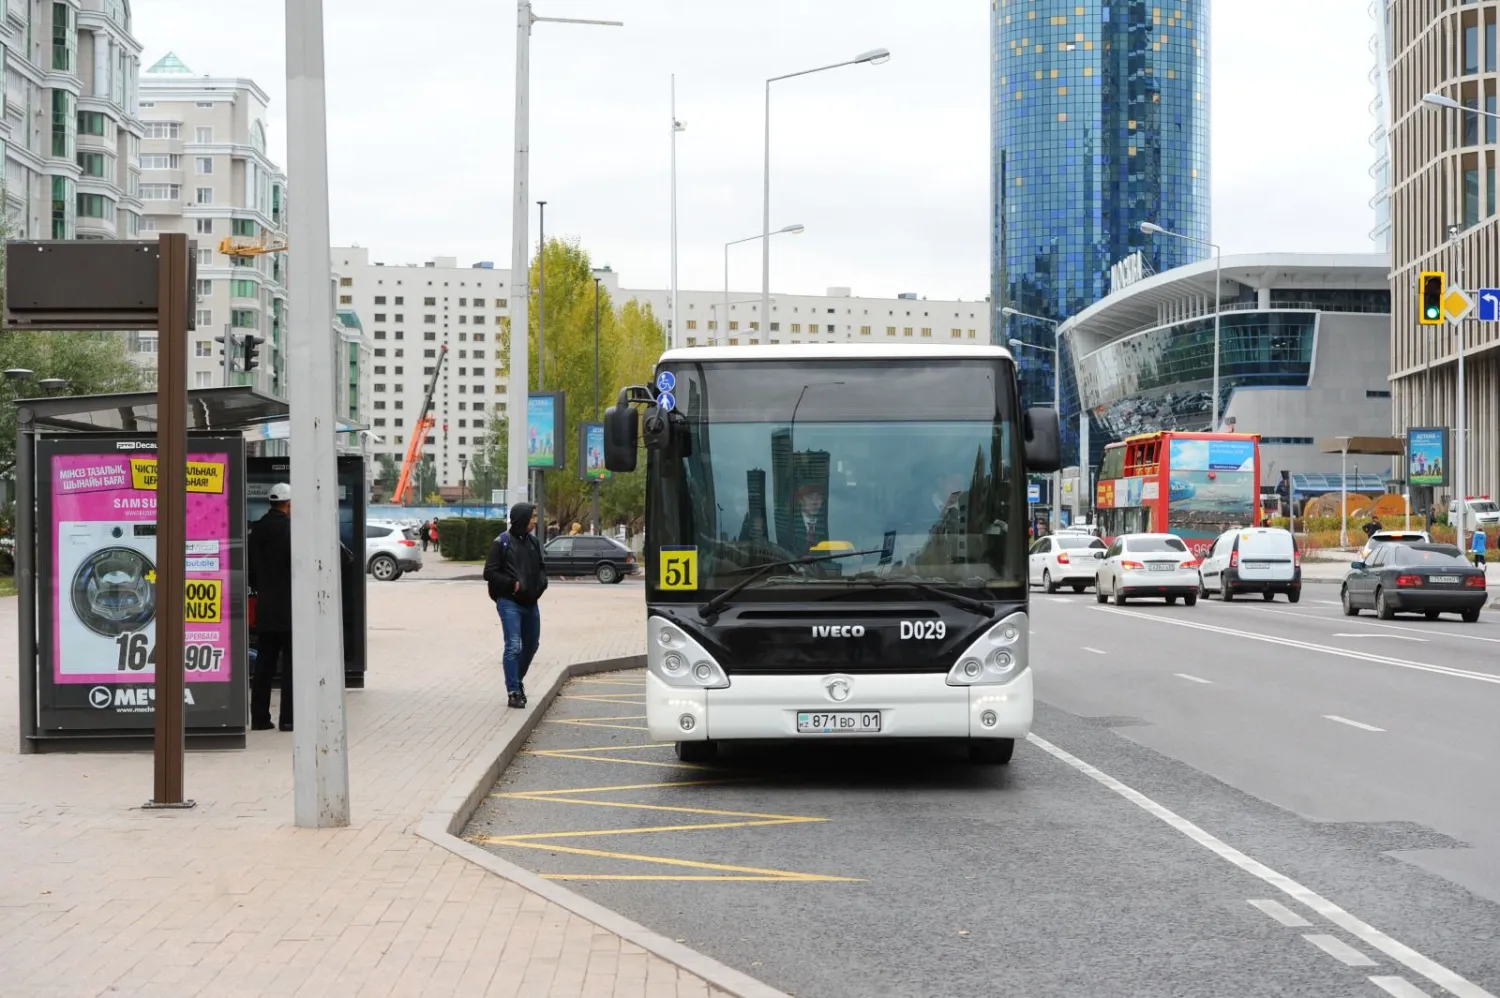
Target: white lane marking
[
  {"x": 1096, "y": 651},
  {"x": 1445, "y": 632},
  {"x": 1399, "y": 986},
  {"x": 1353, "y": 724},
  {"x": 1441, "y": 670},
  {"x": 1282, "y": 914},
  {"x": 1193, "y": 679},
  {"x": 1374, "y": 634},
  {"x": 1326, "y": 602},
  {"x": 1340, "y": 950},
  {"x": 1373, "y": 937},
  {"x": 1059, "y": 599}
]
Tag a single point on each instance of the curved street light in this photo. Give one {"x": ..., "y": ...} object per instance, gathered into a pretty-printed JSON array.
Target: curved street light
[
  {"x": 874, "y": 57},
  {"x": 1152, "y": 229}
]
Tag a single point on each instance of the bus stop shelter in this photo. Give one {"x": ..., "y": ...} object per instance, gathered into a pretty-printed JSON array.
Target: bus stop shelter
[{"x": 105, "y": 711}]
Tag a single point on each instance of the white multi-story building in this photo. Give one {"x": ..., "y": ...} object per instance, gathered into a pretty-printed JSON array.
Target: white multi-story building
[
  {"x": 205, "y": 172},
  {"x": 69, "y": 135},
  {"x": 410, "y": 312}
]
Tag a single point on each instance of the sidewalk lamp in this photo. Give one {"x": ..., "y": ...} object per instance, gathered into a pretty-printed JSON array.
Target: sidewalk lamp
[
  {"x": 1018, "y": 345},
  {"x": 1152, "y": 229},
  {"x": 463, "y": 477},
  {"x": 874, "y": 57},
  {"x": 792, "y": 230}
]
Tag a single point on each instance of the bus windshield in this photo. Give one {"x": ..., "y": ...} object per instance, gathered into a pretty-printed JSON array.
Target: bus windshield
[{"x": 918, "y": 463}]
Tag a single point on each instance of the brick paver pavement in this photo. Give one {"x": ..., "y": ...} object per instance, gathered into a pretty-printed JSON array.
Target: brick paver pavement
[{"x": 98, "y": 897}]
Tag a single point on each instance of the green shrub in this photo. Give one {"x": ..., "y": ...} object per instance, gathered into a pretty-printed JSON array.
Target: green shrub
[
  {"x": 452, "y": 534},
  {"x": 481, "y": 535}
]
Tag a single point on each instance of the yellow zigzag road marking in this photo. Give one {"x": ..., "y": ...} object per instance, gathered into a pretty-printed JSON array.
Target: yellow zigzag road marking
[
  {"x": 623, "y": 699},
  {"x": 592, "y": 723},
  {"x": 724, "y": 872}
]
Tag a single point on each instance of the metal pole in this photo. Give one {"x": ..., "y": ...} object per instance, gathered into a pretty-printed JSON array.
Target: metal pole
[
  {"x": 320, "y": 759},
  {"x": 228, "y": 352},
  {"x": 1057, "y": 407},
  {"x": 765, "y": 230},
  {"x": 1218, "y": 284},
  {"x": 519, "y": 368},
  {"x": 171, "y": 516},
  {"x": 672, "y": 334},
  {"x": 1461, "y": 484},
  {"x": 26, "y": 668},
  {"x": 724, "y": 319},
  {"x": 1344, "y": 497},
  {"x": 583, "y": 458},
  {"x": 541, "y": 350}
]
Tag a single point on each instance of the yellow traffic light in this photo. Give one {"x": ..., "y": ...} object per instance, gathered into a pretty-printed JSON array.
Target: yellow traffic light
[{"x": 1432, "y": 285}]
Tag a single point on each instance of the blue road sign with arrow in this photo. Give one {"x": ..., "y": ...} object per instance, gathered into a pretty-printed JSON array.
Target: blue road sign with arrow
[{"x": 1489, "y": 304}]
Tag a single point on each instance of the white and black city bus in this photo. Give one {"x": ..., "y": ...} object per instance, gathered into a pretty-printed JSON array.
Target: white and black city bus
[{"x": 835, "y": 543}]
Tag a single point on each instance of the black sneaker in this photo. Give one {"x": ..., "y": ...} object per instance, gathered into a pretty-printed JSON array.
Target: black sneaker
[{"x": 515, "y": 700}]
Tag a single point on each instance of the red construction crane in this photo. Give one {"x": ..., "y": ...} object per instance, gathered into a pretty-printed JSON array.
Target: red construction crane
[{"x": 405, "y": 485}]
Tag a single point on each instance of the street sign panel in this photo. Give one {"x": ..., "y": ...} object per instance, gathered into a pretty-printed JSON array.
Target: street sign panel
[
  {"x": 1457, "y": 305},
  {"x": 1033, "y": 493},
  {"x": 1489, "y": 304}
]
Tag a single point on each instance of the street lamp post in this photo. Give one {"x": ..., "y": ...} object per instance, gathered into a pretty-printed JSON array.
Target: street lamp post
[
  {"x": 583, "y": 458},
  {"x": 1056, "y": 395},
  {"x": 1152, "y": 229},
  {"x": 874, "y": 57},
  {"x": 672, "y": 334},
  {"x": 519, "y": 362},
  {"x": 463, "y": 479},
  {"x": 765, "y": 309}
]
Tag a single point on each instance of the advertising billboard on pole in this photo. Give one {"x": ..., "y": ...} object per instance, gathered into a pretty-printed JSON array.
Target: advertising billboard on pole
[
  {"x": 591, "y": 452},
  {"x": 546, "y": 447},
  {"x": 1427, "y": 455},
  {"x": 98, "y": 557}
]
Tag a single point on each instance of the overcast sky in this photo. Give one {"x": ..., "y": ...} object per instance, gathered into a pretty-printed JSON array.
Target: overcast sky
[{"x": 887, "y": 166}]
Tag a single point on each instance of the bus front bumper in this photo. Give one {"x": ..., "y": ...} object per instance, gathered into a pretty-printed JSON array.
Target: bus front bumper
[{"x": 919, "y": 705}]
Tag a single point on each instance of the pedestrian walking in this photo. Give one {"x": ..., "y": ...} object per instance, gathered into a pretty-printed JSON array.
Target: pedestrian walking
[
  {"x": 1478, "y": 545},
  {"x": 425, "y": 531},
  {"x": 433, "y": 532},
  {"x": 515, "y": 573},
  {"x": 270, "y": 556}
]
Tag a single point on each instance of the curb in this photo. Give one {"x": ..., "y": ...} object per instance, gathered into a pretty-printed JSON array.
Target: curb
[{"x": 445, "y": 821}]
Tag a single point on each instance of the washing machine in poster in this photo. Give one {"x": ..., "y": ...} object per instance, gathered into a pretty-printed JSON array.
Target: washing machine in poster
[{"x": 107, "y": 575}]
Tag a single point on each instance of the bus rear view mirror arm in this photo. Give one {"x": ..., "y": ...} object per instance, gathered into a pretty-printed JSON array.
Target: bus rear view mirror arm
[{"x": 1043, "y": 440}]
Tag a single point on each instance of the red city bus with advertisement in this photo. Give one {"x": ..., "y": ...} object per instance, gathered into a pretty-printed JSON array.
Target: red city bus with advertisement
[{"x": 1194, "y": 485}]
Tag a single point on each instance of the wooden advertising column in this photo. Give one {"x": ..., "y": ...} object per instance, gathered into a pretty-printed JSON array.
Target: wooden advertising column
[{"x": 69, "y": 285}]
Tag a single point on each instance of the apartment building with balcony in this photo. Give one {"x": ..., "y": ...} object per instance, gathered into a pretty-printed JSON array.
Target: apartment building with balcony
[
  {"x": 205, "y": 171},
  {"x": 70, "y": 132}
]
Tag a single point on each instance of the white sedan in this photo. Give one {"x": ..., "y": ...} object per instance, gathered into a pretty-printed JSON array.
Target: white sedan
[
  {"x": 1153, "y": 565},
  {"x": 1064, "y": 559}
]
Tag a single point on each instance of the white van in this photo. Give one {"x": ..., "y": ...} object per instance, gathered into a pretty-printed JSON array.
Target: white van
[
  {"x": 1476, "y": 509},
  {"x": 1261, "y": 560}
]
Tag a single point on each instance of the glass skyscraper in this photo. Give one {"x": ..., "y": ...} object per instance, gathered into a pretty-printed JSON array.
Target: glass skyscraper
[{"x": 1099, "y": 122}]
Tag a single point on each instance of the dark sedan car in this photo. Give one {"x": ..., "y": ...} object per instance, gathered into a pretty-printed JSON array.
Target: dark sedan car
[
  {"x": 590, "y": 554},
  {"x": 1416, "y": 578}
]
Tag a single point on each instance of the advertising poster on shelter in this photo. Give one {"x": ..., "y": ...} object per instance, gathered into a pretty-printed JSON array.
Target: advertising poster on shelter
[{"x": 100, "y": 642}]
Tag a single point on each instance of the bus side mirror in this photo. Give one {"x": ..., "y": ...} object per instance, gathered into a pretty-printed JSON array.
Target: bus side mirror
[
  {"x": 1043, "y": 440},
  {"x": 619, "y": 439}
]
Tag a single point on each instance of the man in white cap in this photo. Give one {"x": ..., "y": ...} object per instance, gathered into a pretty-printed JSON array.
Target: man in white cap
[{"x": 270, "y": 551}]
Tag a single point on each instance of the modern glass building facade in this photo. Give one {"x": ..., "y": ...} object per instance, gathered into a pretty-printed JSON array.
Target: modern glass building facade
[{"x": 1099, "y": 122}]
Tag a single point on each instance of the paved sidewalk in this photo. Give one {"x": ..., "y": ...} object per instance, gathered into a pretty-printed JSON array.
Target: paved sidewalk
[{"x": 100, "y": 898}]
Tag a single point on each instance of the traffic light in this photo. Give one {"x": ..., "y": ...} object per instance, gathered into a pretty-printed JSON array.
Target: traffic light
[
  {"x": 252, "y": 352},
  {"x": 1432, "y": 285}
]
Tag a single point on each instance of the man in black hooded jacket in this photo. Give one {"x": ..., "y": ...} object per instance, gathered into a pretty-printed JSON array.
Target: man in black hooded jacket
[{"x": 516, "y": 575}]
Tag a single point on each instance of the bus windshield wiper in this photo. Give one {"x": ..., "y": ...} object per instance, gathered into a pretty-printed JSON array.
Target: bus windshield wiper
[
  {"x": 957, "y": 599},
  {"x": 757, "y": 572}
]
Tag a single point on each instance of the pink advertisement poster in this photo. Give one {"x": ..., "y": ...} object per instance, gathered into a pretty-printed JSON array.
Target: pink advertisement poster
[{"x": 104, "y": 567}]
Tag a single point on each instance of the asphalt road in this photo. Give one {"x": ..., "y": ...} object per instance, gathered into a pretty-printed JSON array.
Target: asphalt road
[{"x": 1251, "y": 799}]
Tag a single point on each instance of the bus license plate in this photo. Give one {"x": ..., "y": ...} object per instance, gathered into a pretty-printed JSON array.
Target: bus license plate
[{"x": 838, "y": 722}]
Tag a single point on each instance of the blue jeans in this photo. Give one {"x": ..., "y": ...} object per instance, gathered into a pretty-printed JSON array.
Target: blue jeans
[{"x": 523, "y": 632}]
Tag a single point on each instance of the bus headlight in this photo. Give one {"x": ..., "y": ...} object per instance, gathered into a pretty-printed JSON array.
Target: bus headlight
[
  {"x": 677, "y": 659},
  {"x": 997, "y": 657}
]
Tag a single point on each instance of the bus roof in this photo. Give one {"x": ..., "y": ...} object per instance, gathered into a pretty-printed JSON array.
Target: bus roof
[
  {"x": 1183, "y": 435},
  {"x": 836, "y": 351}
]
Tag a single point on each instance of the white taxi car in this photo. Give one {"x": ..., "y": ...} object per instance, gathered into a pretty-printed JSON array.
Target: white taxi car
[
  {"x": 1067, "y": 558},
  {"x": 1151, "y": 565}
]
